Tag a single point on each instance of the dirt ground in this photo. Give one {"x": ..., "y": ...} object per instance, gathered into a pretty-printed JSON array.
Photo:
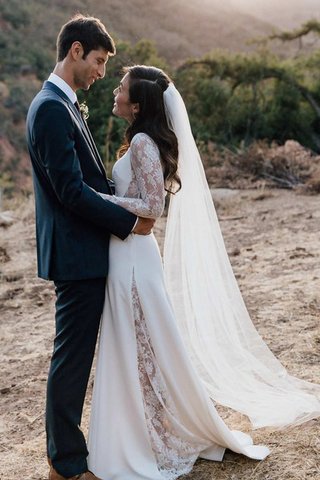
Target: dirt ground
[{"x": 273, "y": 240}]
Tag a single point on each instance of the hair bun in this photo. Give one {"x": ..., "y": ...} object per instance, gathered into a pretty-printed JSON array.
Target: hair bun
[{"x": 162, "y": 81}]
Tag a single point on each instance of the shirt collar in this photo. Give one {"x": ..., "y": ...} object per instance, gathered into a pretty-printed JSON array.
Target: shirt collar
[{"x": 60, "y": 83}]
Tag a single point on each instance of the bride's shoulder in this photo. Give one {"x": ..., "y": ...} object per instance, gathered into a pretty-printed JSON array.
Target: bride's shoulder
[{"x": 142, "y": 140}]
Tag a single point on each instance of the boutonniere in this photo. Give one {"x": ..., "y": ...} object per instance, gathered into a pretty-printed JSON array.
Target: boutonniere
[{"x": 84, "y": 110}]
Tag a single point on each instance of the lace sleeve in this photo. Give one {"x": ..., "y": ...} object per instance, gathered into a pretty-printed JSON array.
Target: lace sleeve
[{"x": 147, "y": 168}]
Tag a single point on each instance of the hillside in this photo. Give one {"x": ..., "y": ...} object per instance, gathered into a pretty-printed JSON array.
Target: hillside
[
  {"x": 28, "y": 32},
  {"x": 178, "y": 28},
  {"x": 183, "y": 28},
  {"x": 281, "y": 13},
  {"x": 194, "y": 27}
]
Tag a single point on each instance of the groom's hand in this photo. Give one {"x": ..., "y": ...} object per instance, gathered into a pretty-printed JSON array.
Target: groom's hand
[{"x": 144, "y": 226}]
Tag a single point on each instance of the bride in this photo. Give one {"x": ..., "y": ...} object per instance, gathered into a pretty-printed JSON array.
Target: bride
[{"x": 172, "y": 345}]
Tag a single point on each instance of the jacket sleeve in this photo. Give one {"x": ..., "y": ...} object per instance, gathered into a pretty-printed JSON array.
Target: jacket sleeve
[
  {"x": 54, "y": 139},
  {"x": 148, "y": 172}
]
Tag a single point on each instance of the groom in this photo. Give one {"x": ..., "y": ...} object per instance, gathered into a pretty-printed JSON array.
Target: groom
[{"x": 73, "y": 225}]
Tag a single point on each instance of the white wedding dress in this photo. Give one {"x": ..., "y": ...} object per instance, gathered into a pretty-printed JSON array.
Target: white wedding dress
[{"x": 151, "y": 415}]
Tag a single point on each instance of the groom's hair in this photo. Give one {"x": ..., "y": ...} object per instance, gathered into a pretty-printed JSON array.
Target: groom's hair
[{"x": 89, "y": 31}]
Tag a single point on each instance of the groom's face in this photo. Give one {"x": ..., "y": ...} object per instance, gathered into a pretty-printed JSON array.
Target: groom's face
[{"x": 89, "y": 69}]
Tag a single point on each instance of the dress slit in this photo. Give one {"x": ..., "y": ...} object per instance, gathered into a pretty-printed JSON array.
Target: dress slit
[{"x": 174, "y": 457}]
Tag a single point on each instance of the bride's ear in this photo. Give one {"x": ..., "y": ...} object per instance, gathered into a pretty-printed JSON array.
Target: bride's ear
[{"x": 135, "y": 109}]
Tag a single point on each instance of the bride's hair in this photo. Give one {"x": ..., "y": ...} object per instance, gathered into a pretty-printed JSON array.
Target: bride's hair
[{"x": 146, "y": 87}]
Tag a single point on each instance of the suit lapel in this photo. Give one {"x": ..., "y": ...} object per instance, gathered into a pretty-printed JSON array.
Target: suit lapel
[
  {"x": 82, "y": 123},
  {"x": 93, "y": 145},
  {"x": 87, "y": 134}
]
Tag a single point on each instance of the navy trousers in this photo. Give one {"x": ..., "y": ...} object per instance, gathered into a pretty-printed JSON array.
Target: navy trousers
[{"x": 79, "y": 306}]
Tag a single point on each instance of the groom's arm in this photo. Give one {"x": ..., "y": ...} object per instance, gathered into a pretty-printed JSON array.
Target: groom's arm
[
  {"x": 54, "y": 133},
  {"x": 143, "y": 226}
]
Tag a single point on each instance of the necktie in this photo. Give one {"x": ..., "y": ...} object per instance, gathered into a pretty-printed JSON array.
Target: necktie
[{"x": 77, "y": 105}]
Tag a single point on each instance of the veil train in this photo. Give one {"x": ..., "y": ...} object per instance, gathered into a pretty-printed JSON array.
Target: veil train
[{"x": 237, "y": 367}]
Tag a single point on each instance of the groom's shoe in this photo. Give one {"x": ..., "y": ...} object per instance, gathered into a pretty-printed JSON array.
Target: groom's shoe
[{"x": 54, "y": 475}]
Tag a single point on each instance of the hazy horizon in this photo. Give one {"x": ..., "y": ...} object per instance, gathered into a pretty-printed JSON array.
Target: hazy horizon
[{"x": 280, "y": 13}]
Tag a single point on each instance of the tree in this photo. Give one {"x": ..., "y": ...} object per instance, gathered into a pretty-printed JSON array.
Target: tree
[
  {"x": 255, "y": 82},
  {"x": 312, "y": 26}
]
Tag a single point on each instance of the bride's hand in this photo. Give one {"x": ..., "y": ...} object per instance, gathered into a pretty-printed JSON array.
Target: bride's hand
[{"x": 144, "y": 226}]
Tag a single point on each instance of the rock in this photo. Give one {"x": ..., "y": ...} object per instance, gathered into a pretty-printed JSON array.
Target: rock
[{"x": 6, "y": 219}]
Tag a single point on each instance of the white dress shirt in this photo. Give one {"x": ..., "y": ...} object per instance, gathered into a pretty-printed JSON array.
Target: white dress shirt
[{"x": 60, "y": 83}]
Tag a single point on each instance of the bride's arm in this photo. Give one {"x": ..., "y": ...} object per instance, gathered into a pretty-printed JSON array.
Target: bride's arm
[{"x": 146, "y": 164}]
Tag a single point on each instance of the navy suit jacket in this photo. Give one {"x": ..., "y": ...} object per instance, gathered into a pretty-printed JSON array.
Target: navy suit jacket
[{"x": 73, "y": 222}]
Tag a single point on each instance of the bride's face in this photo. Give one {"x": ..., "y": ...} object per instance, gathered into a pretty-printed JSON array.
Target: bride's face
[{"x": 122, "y": 106}]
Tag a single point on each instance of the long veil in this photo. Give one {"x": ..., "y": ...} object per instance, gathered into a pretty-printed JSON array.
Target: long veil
[{"x": 235, "y": 364}]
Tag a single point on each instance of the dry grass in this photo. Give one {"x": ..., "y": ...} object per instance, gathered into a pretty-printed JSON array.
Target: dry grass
[
  {"x": 275, "y": 235},
  {"x": 289, "y": 166}
]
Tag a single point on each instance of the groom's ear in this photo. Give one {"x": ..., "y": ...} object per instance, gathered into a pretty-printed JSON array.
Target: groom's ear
[{"x": 76, "y": 50}]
